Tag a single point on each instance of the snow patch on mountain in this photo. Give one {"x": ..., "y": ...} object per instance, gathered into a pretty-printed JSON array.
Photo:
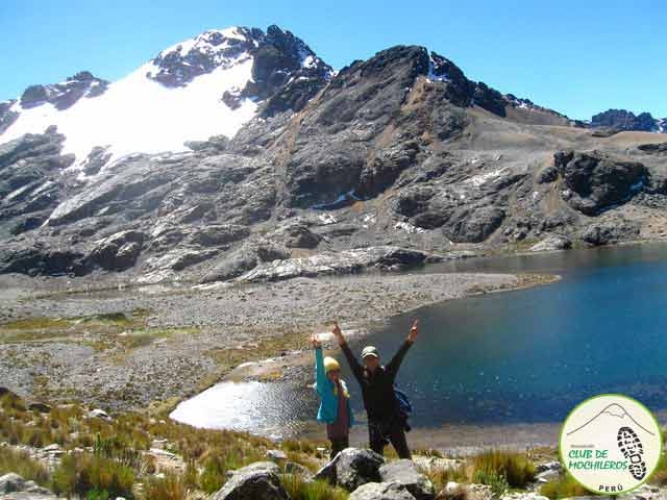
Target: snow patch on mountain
[{"x": 137, "y": 114}]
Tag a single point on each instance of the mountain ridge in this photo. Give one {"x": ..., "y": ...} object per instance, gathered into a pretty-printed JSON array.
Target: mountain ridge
[{"x": 401, "y": 153}]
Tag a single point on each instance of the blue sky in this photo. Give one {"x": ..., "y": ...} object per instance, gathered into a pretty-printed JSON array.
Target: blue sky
[{"x": 578, "y": 57}]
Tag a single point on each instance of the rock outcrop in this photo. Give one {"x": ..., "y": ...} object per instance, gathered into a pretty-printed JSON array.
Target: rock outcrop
[
  {"x": 405, "y": 473},
  {"x": 596, "y": 181},
  {"x": 253, "y": 482},
  {"x": 352, "y": 468},
  {"x": 66, "y": 94},
  {"x": 381, "y": 491}
]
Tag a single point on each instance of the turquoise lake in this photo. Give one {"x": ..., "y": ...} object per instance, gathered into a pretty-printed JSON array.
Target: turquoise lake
[{"x": 531, "y": 355}]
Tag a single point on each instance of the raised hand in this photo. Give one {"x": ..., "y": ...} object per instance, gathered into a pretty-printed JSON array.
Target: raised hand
[
  {"x": 316, "y": 342},
  {"x": 337, "y": 333},
  {"x": 412, "y": 336}
]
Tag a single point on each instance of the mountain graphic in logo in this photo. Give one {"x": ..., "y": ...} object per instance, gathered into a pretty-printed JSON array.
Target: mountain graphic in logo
[{"x": 613, "y": 411}]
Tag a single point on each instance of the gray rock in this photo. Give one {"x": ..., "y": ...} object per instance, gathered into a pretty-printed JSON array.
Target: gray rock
[
  {"x": 119, "y": 251},
  {"x": 547, "y": 475},
  {"x": 97, "y": 413},
  {"x": 549, "y": 174},
  {"x": 605, "y": 234},
  {"x": 65, "y": 94},
  {"x": 351, "y": 468},
  {"x": 552, "y": 243},
  {"x": 473, "y": 225},
  {"x": 215, "y": 235},
  {"x": 11, "y": 482},
  {"x": 243, "y": 259},
  {"x": 96, "y": 159},
  {"x": 296, "y": 235},
  {"x": 405, "y": 472},
  {"x": 299, "y": 470},
  {"x": 258, "y": 466},
  {"x": 39, "y": 407},
  {"x": 653, "y": 148},
  {"x": 181, "y": 258},
  {"x": 381, "y": 491},
  {"x": 277, "y": 455},
  {"x": 547, "y": 466},
  {"x": 252, "y": 484},
  {"x": 344, "y": 262}
]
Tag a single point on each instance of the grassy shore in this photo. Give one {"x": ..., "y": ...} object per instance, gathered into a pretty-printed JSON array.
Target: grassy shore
[{"x": 118, "y": 456}]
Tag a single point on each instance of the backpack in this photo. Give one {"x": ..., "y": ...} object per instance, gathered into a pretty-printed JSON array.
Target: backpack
[{"x": 404, "y": 407}]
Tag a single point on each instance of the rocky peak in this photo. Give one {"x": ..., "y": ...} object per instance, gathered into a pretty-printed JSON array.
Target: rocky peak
[
  {"x": 65, "y": 94},
  {"x": 286, "y": 73},
  {"x": 621, "y": 119},
  {"x": 180, "y": 64}
]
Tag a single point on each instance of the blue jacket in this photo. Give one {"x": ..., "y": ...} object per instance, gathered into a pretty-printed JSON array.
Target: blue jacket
[{"x": 328, "y": 411}]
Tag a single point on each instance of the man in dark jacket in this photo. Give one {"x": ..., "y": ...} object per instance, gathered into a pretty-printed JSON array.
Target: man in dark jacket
[{"x": 385, "y": 422}]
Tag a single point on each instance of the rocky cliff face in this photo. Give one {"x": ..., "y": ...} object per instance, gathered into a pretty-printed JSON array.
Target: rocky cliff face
[
  {"x": 66, "y": 94},
  {"x": 335, "y": 174}
]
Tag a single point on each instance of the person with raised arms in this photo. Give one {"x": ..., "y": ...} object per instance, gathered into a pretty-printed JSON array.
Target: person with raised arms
[
  {"x": 386, "y": 422},
  {"x": 334, "y": 410}
]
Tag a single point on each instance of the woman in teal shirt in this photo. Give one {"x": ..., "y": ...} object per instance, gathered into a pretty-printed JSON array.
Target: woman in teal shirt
[{"x": 335, "y": 410}]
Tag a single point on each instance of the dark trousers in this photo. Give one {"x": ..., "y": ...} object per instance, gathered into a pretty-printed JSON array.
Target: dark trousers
[
  {"x": 382, "y": 433},
  {"x": 339, "y": 444}
]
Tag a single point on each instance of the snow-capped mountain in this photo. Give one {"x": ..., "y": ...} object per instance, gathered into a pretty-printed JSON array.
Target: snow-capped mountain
[{"x": 205, "y": 86}]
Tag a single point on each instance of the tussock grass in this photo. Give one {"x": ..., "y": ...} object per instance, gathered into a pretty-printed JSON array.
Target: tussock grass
[
  {"x": 514, "y": 467},
  {"x": 440, "y": 476},
  {"x": 93, "y": 477},
  {"x": 171, "y": 487},
  {"x": 563, "y": 487},
  {"x": 298, "y": 489},
  {"x": 20, "y": 462}
]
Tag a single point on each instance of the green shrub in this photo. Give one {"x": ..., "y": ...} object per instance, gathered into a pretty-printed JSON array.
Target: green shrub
[
  {"x": 298, "y": 489},
  {"x": 215, "y": 471},
  {"x": 92, "y": 476},
  {"x": 21, "y": 463},
  {"x": 563, "y": 487},
  {"x": 497, "y": 481},
  {"x": 517, "y": 470}
]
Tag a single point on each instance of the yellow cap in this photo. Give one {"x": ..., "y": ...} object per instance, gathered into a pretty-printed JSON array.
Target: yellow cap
[{"x": 330, "y": 364}]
